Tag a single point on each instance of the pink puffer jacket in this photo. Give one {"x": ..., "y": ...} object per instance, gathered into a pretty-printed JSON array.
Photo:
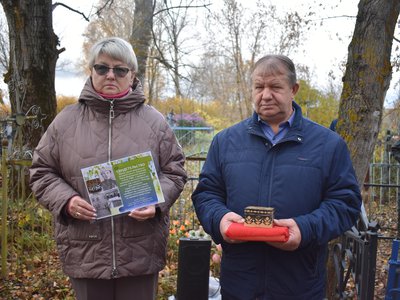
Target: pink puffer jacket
[{"x": 79, "y": 137}]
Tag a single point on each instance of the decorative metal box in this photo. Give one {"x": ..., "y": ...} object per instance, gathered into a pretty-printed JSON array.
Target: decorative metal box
[{"x": 259, "y": 216}]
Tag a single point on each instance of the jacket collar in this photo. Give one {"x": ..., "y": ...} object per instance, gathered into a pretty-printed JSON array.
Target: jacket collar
[
  {"x": 295, "y": 131},
  {"x": 130, "y": 101}
]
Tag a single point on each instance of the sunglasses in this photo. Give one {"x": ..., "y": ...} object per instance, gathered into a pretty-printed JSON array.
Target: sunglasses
[{"x": 118, "y": 71}]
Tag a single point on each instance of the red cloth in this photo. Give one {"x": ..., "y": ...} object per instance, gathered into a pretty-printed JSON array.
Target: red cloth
[{"x": 237, "y": 231}]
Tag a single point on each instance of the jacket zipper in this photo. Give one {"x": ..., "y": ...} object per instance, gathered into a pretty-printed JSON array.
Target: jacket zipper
[
  {"x": 285, "y": 139},
  {"x": 110, "y": 119},
  {"x": 270, "y": 180}
]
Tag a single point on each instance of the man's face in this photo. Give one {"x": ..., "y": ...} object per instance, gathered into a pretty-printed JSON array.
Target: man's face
[
  {"x": 106, "y": 174},
  {"x": 272, "y": 97}
]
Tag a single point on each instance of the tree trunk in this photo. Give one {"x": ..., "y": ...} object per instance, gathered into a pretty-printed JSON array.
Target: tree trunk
[
  {"x": 366, "y": 80},
  {"x": 142, "y": 33},
  {"x": 31, "y": 73}
]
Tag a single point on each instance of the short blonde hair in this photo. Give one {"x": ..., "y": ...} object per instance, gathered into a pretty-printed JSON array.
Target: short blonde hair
[{"x": 116, "y": 48}]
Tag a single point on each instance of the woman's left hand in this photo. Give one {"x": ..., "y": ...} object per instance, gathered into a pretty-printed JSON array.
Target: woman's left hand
[{"x": 143, "y": 213}]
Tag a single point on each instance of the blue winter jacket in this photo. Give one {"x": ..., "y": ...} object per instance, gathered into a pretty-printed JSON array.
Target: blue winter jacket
[{"x": 307, "y": 176}]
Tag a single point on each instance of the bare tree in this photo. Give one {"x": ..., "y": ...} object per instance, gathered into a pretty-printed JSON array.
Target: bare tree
[
  {"x": 211, "y": 83},
  {"x": 174, "y": 45},
  {"x": 173, "y": 21},
  {"x": 245, "y": 39}
]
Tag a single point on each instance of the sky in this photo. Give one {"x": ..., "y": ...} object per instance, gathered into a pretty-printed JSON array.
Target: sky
[
  {"x": 324, "y": 50},
  {"x": 69, "y": 27}
]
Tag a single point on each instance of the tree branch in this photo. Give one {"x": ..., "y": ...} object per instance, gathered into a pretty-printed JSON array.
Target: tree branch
[
  {"x": 107, "y": 3},
  {"x": 61, "y": 50},
  {"x": 181, "y": 6},
  {"x": 333, "y": 17},
  {"x": 71, "y": 9}
]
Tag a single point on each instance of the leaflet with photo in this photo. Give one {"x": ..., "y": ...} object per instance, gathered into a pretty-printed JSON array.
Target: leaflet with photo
[{"x": 121, "y": 185}]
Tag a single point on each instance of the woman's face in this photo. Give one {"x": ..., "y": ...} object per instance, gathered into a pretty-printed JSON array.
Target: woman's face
[{"x": 110, "y": 76}]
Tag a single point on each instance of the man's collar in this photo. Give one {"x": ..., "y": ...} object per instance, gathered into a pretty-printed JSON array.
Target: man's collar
[{"x": 289, "y": 121}]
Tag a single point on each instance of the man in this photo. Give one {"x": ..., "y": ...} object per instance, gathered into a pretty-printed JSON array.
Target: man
[
  {"x": 278, "y": 159},
  {"x": 108, "y": 182}
]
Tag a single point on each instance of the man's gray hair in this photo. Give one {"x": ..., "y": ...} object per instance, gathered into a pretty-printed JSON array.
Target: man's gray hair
[
  {"x": 117, "y": 49},
  {"x": 273, "y": 63}
]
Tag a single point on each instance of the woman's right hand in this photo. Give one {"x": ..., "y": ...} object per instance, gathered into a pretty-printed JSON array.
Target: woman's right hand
[{"x": 80, "y": 209}]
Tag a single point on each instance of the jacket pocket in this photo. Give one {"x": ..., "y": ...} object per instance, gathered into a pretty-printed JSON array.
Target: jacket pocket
[
  {"x": 84, "y": 231},
  {"x": 133, "y": 228}
]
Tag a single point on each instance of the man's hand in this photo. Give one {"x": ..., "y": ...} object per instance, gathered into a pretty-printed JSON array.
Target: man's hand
[
  {"x": 294, "y": 235},
  {"x": 227, "y": 220}
]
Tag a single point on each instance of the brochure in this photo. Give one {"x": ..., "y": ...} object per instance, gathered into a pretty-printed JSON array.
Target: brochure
[{"x": 121, "y": 185}]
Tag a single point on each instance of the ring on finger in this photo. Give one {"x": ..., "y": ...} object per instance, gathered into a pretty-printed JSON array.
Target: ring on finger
[{"x": 77, "y": 214}]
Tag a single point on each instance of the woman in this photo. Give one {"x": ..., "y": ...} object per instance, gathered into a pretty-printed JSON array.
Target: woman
[{"x": 116, "y": 257}]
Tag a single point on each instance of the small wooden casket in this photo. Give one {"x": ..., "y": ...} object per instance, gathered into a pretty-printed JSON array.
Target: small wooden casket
[{"x": 259, "y": 216}]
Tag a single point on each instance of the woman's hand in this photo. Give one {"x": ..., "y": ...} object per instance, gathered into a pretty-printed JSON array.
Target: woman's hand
[
  {"x": 143, "y": 213},
  {"x": 79, "y": 208}
]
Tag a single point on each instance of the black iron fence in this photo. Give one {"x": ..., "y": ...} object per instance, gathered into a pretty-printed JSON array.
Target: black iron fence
[
  {"x": 355, "y": 255},
  {"x": 354, "y": 259}
]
